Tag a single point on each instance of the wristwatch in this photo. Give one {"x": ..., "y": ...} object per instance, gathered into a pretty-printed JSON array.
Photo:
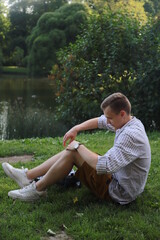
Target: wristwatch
[{"x": 76, "y": 146}]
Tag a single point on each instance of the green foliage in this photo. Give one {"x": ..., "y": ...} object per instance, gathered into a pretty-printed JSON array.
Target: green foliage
[
  {"x": 53, "y": 31},
  {"x": 152, "y": 7},
  {"x": 4, "y": 24},
  {"x": 23, "y": 15},
  {"x": 3, "y": 30},
  {"x": 40, "y": 7},
  {"x": 114, "y": 53},
  {"x": 18, "y": 56},
  {"x": 102, "y": 61},
  {"x": 4, "y": 27},
  {"x": 1, "y": 60},
  {"x": 134, "y": 8},
  {"x": 147, "y": 102},
  {"x": 88, "y": 218}
]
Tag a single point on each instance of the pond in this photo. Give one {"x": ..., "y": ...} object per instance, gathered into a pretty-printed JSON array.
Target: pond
[{"x": 27, "y": 108}]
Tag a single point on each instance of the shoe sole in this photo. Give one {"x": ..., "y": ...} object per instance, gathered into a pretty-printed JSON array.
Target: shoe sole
[
  {"x": 25, "y": 199},
  {"x": 10, "y": 174}
]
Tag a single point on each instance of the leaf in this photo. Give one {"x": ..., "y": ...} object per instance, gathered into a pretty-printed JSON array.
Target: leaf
[
  {"x": 75, "y": 199},
  {"x": 51, "y": 233},
  {"x": 79, "y": 214}
]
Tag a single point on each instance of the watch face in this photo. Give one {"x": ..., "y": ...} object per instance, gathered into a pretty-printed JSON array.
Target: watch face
[{"x": 76, "y": 145}]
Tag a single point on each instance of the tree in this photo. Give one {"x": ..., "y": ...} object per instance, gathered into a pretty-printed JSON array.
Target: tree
[
  {"x": 32, "y": 10},
  {"x": 18, "y": 55},
  {"x": 103, "y": 60},
  {"x": 1, "y": 60},
  {"x": 152, "y": 7},
  {"x": 24, "y": 15},
  {"x": 135, "y": 8},
  {"x": 97, "y": 5},
  {"x": 54, "y": 30},
  {"x": 38, "y": 7},
  {"x": 4, "y": 23},
  {"x": 4, "y": 27}
]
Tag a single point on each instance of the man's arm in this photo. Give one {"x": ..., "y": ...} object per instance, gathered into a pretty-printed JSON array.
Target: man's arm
[{"x": 87, "y": 125}]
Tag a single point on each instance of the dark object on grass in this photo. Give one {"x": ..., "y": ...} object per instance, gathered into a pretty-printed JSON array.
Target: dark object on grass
[{"x": 69, "y": 181}]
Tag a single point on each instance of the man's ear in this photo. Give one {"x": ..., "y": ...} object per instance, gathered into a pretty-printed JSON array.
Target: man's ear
[{"x": 122, "y": 113}]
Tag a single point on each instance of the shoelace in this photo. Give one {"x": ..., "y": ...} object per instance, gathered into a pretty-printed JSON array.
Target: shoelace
[
  {"x": 25, "y": 169},
  {"x": 28, "y": 186}
]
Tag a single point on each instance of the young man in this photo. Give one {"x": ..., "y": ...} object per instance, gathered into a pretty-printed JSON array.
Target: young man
[{"x": 120, "y": 174}]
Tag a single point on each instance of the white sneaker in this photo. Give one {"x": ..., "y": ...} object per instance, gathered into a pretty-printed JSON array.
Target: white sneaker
[
  {"x": 18, "y": 175},
  {"x": 28, "y": 193}
]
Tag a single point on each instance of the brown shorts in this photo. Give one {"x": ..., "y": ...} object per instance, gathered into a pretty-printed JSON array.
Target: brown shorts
[{"x": 98, "y": 184}]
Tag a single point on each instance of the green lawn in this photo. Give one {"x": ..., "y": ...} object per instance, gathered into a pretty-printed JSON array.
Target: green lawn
[{"x": 88, "y": 217}]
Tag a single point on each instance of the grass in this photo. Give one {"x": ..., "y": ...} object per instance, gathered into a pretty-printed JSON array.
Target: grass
[
  {"x": 14, "y": 70},
  {"x": 87, "y": 218}
]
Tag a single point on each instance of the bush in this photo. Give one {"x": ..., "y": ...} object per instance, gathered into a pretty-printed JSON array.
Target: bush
[
  {"x": 114, "y": 53},
  {"x": 146, "y": 103},
  {"x": 102, "y": 61}
]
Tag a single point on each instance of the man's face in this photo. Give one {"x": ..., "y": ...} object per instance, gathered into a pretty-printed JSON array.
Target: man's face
[{"x": 116, "y": 120}]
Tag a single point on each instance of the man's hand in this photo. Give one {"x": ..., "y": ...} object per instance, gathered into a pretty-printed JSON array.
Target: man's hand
[
  {"x": 70, "y": 135},
  {"x": 72, "y": 145}
]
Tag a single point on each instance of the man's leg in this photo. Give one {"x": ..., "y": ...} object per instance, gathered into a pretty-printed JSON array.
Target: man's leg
[
  {"x": 24, "y": 177},
  {"x": 44, "y": 167},
  {"x": 59, "y": 168}
]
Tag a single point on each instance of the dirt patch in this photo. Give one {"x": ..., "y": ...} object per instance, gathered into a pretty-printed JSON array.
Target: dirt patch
[
  {"x": 59, "y": 236},
  {"x": 15, "y": 159}
]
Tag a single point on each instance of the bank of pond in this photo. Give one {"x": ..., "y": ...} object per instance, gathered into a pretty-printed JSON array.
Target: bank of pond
[{"x": 27, "y": 107}]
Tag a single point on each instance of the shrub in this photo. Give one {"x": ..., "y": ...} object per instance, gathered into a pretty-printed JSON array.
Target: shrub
[
  {"x": 103, "y": 60},
  {"x": 114, "y": 53},
  {"x": 146, "y": 103}
]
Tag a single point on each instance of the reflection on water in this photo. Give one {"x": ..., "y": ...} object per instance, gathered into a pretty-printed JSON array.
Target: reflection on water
[
  {"x": 27, "y": 108},
  {"x": 30, "y": 91}
]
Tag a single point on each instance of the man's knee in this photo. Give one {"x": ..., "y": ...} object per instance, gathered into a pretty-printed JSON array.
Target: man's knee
[
  {"x": 70, "y": 155},
  {"x": 74, "y": 157}
]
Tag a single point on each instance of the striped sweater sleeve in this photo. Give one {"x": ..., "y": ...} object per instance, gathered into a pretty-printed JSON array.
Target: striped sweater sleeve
[{"x": 102, "y": 123}]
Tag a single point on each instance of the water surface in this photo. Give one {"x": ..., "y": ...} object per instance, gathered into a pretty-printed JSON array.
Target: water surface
[{"x": 27, "y": 107}]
